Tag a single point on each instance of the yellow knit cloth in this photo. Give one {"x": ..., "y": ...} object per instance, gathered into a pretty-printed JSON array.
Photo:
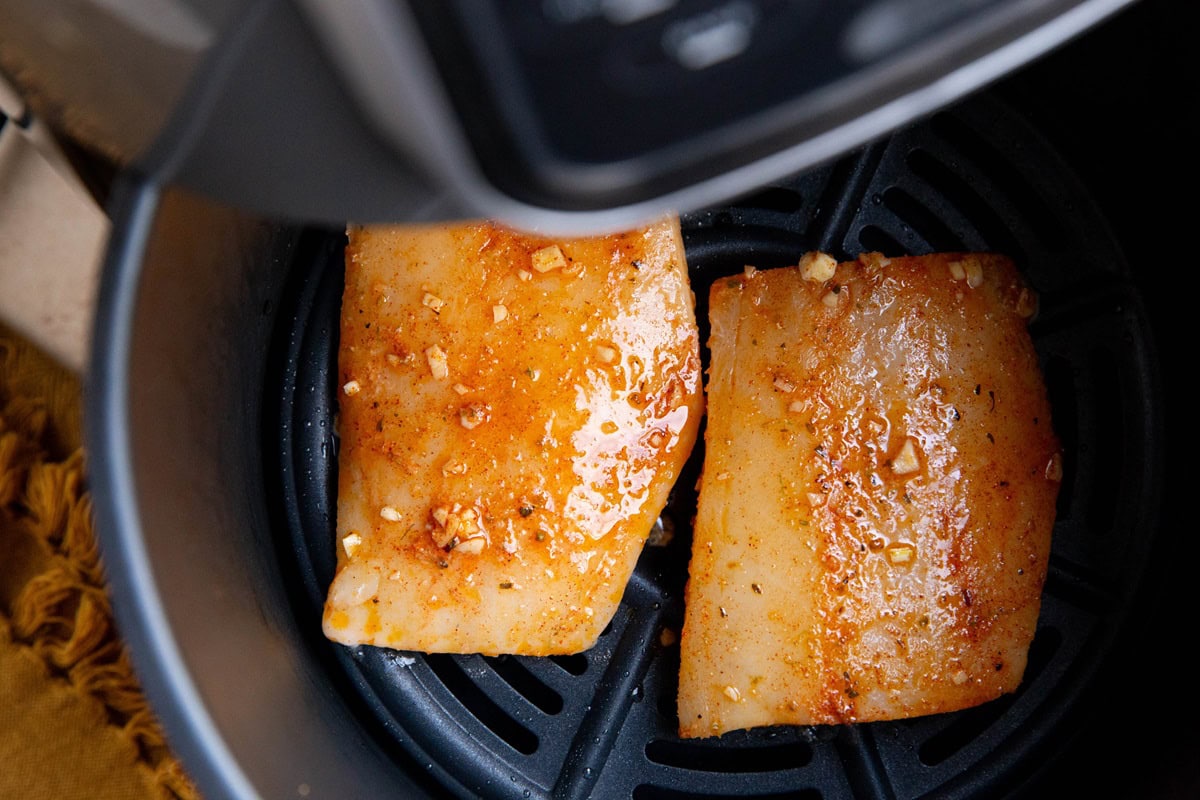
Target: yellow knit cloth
[{"x": 73, "y": 720}]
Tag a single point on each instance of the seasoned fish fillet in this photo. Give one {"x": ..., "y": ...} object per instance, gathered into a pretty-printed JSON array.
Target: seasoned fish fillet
[
  {"x": 877, "y": 496},
  {"x": 513, "y": 414}
]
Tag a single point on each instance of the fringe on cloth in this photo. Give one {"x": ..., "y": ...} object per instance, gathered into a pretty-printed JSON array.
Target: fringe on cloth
[{"x": 62, "y": 612}]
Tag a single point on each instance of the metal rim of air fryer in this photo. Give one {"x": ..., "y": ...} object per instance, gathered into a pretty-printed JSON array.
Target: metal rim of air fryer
[{"x": 971, "y": 177}]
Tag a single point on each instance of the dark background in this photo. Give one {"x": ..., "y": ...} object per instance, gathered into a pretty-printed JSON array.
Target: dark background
[{"x": 1120, "y": 105}]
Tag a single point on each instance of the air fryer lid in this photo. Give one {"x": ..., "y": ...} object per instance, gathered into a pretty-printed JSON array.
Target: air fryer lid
[
  {"x": 552, "y": 114},
  {"x": 602, "y": 107},
  {"x": 603, "y": 723}
]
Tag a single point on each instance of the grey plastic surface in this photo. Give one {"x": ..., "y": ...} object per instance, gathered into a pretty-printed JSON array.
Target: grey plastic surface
[
  {"x": 173, "y": 416},
  {"x": 326, "y": 111},
  {"x": 267, "y": 128},
  {"x": 387, "y": 68}
]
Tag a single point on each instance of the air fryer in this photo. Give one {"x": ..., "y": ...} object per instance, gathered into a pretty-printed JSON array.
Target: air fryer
[{"x": 1047, "y": 131}]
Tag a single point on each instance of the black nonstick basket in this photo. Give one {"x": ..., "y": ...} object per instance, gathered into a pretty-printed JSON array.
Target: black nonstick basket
[{"x": 602, "y": 724}]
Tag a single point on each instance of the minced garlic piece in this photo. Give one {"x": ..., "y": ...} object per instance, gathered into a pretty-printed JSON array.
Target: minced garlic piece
[
  {"x": 749, "y": 270},
  {"x": 473, "y": 415},
  {"x": 439, "y": 367},
  {"x": 390, "y": 514},
  {"x": 432, "y": 301},
  {"x": 350, "y": 543},
  {"x": 524, "y": 274},
  {"x": 783, "y": 384},
  {"x": 830, "y": 299},
  {"x": 548, "y": 258},
  {"x": 352, "y": 387},
  {"x": 461, "y": 388},
  {"x": 817, "y": 267},
  {"x": 956, "y": 270},
  {"x": 732, "y": 693},
  {"x": 959, "y": 678},
  {"x": 973, "y": 270},
  {"x": 1054, "y": 468},
  {"x": 473, "y": 545},
  {"x": 899, "y": 554},
  {"x": 796, "y": 406},
  {"x": 906, "y": 460},
  {"x": 606, "y": 354},
  {"x": 1027, "y": 303},
  {"x": 454, "y": 525},
  {"x": 874, "y": 261},
  {"x": 454, "y": 468},
  {"x": 392, "y": 359},
  {"x": 499, "y": 313}
]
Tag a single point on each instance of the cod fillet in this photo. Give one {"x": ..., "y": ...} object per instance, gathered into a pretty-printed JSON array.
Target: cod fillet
[
  {"x": 514, "y": 411},
  {"x": 877, "y": 497}
]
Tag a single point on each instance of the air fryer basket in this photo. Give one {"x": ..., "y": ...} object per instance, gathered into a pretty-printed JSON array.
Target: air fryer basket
[{"x": 603, "y": 723}]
